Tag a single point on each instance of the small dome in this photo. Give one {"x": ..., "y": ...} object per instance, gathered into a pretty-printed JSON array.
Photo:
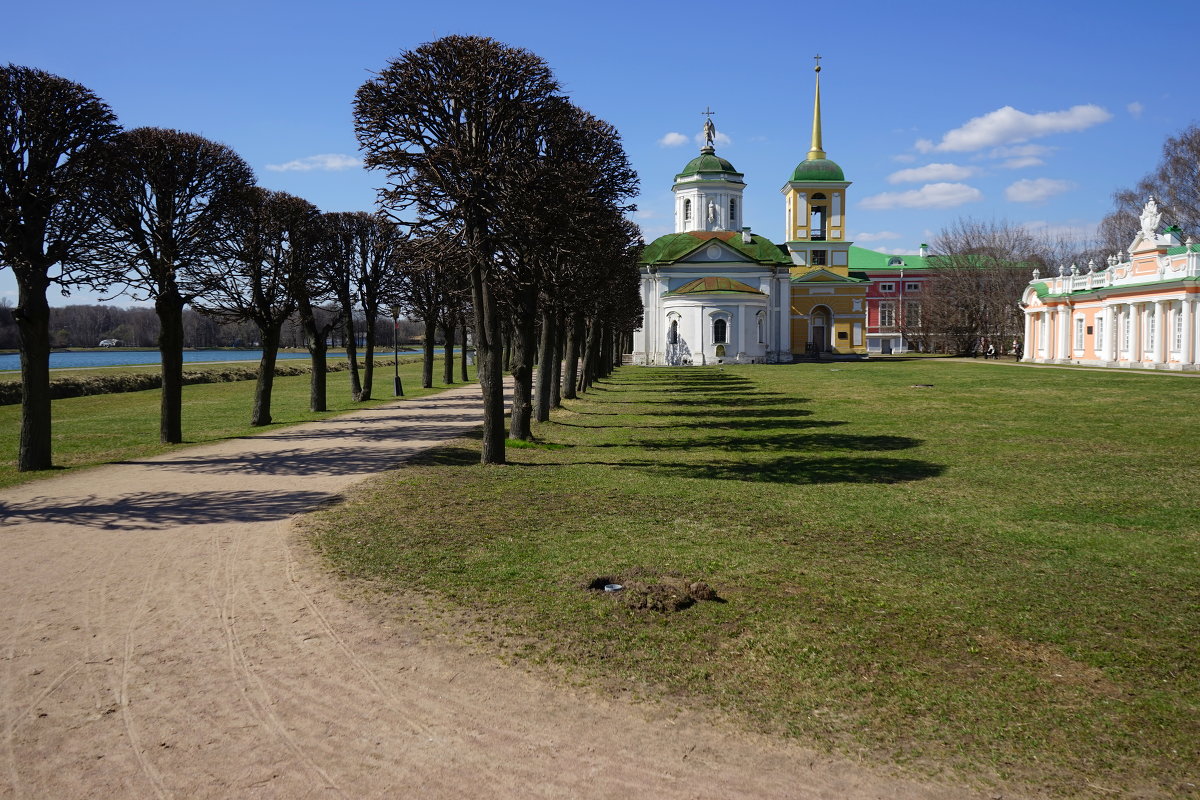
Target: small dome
[
  {"x": 707, "y": 161},
  {"x": 818, "y": 169}
]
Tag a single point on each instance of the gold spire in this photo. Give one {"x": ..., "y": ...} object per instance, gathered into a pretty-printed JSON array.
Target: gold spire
[{"x": 816, "y": 152}]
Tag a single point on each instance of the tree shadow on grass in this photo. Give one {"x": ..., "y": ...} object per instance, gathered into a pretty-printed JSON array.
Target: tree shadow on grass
[
  {"x": 792, "y": 470},
  {"x": 793, "y": 442},
  {"x": 295, "y": 461},
  {"x": 157, "y": 510}
]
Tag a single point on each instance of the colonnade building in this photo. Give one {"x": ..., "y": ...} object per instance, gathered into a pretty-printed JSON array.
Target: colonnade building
[{"x": 1138, "y": 309}]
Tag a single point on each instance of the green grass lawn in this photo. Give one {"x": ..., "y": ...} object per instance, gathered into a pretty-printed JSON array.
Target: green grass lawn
[
  {"x": 974, "y": 568},
  {"x": 112, "y": 427}
]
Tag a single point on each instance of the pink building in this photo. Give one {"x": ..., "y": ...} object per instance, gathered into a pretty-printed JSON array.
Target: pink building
[{"x": 1137, "y": 310}]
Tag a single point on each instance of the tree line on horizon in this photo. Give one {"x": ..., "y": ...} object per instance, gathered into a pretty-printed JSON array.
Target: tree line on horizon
[{"x": 503, "y": 215}]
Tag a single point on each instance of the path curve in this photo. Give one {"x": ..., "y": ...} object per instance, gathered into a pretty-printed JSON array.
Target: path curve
[{"x": 164, "y": 634}]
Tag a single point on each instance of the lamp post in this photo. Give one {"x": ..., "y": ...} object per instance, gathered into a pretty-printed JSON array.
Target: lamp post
[{"x": 397, "y": 388}]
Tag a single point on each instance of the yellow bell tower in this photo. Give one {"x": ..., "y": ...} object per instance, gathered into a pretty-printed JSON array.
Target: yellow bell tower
[{"x": 828, "y": 317}]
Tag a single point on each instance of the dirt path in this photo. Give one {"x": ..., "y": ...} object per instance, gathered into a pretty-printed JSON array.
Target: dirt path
[{"x": 163, "y": 634}]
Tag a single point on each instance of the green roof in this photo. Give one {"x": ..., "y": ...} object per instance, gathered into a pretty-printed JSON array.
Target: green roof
[
  {"x": 675, "y": 246},
  {"x": 707, "y": 161},
  {"x": 714, "y": 284},
  {"x": 862, "y": 258},
  {"x": 818, "y": 169}
]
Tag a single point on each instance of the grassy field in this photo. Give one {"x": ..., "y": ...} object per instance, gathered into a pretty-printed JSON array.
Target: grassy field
[
  {"x": 112, "y": 427},
  {"x": 975, "y": 569}
]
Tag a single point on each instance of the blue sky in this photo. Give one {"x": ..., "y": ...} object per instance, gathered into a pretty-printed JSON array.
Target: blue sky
[{"x": 1022, "y": 111}]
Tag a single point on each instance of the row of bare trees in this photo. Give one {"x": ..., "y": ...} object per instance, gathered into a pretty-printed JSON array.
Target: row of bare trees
[
  {"x": 524, "y": 196},
  {"x": 174, "y": 219}
]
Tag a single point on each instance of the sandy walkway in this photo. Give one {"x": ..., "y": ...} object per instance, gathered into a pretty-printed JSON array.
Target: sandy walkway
[{"x": 162, "y": 633}]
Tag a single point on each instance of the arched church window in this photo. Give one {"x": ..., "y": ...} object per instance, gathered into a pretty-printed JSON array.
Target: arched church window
[
  {"x": 687, "y": 209},
  {"x": 733, "y": 210},
  {"x": 818, "y": 207},
  {"x": 673, "y": 333},
  {"x": 761, "y": 339},
  {"x": 719, "y": 328}
]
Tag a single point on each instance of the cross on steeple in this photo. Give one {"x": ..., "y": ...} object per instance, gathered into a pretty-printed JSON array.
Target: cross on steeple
[{"x": 817, "y": 58}]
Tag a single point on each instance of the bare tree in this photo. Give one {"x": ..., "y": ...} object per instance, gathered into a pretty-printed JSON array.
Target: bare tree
[
  {"x": 266, "y": 252},
  {"x": 444, "y": 123},
  {"x": 979, "y": 271},
  {"x": 49, "y": 163},
  {"x": 164, "y": 205},
  {"x": 1175, "y": 183}
]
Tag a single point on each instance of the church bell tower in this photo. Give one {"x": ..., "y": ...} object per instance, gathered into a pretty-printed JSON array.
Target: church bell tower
[
  {"x": 816, "y": 206},
  {"x": 708, "y": 192}
]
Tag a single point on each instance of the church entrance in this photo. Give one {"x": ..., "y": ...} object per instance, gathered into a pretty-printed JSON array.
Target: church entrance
[{"x": 819, "y": 327}]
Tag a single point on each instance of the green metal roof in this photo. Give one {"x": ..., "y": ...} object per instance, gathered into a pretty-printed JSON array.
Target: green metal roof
[
  {"x": 713, "y": 284},
  {"x": 818, "y": 169},
  {"x": 707, "y": 161},
  {"x": 675, "y": 246},
  {"x": 862, "y": 258}
]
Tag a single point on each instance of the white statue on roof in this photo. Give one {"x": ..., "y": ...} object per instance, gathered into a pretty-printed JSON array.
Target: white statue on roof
[{"x": 1151, "y": 218}]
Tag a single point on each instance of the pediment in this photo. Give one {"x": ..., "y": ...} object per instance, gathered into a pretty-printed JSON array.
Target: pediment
[
  {"x": 823, "y": 276},
  {"x": 715, "y": 251}
]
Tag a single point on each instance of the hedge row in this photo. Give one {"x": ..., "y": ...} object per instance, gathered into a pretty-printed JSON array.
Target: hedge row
[{"x": 60, "y": 388}]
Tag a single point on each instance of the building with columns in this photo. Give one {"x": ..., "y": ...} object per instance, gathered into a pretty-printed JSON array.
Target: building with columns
[
  {"x": 713, "y": 292},
  {"x": 1138, "y": 309}
]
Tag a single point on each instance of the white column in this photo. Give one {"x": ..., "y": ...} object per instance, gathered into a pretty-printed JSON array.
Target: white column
[
  {"x": 1187, "y": 352},
  {"x": 1135, "y": 333},
  {"x": 1123, "y": 340},
  {"x": 1108, "y": 353},
  {"x": 1027, "y": 353},
  {"x": 1160, "y": 332},
  {"x": 1186, "y": 331},
  {"x": 1064, "y": 333}
]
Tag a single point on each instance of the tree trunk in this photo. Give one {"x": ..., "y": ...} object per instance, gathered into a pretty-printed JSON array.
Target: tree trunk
[
  {"x": 448, "y": 360},
  {"x": 545, "y": 373},
  {"x": 523, "y": 348},
  {"x": 488, "y": 348},
  {"x": 314, "y": 341},
  {"x": 352, "y": 354},
  {"x": 591, "y": 355},
  {"x": 368, "y": 359},
  {"x": 169, "y": 307},
  {"x": 556, "y": 386},
  {"x": 571, "y": 379},
  {"x": 266, "y": 375},
  {"x": 427, "y": 363},
  {"x": 463, "y": 361},
  {"x": 33, "y": 324}
]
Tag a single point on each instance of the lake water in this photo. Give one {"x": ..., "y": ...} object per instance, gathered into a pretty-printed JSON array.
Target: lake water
[{"x": 126, "y": 358}]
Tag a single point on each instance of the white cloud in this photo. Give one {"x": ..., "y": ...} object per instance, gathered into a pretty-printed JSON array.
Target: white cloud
[
  {"x": 896, "y": 251},
  {"x": 1007, "y": 125},
  {"x": 1021, "y": 163},
  {"x": 326, "y": 161},
  {"x": 1021, "y": 151},
  {"x": 721, "y": 139},
  {"x": 672, "y": 139},
  {"x": 876, "y": 237},
  {"x": 1073, "y": 231},
  {"x": 1036, "y": 190},
  {"x": 933, "y": 195},
  {"x": 1135, "y": 109},
  {"x": 904, "y": 158},
  {"x": 932, "y": 172}
]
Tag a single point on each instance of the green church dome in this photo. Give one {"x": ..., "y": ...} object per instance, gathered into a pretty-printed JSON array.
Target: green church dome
[
  {"x": 707, "y": 161},
  {"x": 818, "y": 169}
]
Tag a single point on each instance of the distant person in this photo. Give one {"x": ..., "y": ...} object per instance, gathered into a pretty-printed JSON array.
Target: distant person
[{"x": 991, "y": 352}]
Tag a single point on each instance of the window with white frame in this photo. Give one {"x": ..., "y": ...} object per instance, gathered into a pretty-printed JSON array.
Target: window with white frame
[
  {"x": 732, "y": 211},
  {"x": 912, "y": 287},
  {"x": 912, "y": 313},
  {"x": 887, "y": 315},
  {"x": 1177, "y": 332},
  {"x": 1099, "y": 332},
  {"x": 1079, "y": 333},
  {"x": 1125, "y": 333},
  {"x": 887, "y": 287},
  {"x": 1151, "y": 327},
  {"x": 761, "y": 329},
  {"x": 687, "y": 209},
  {"x": 1043, "y": 327},
  {"x": 720, "y": 328}
]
